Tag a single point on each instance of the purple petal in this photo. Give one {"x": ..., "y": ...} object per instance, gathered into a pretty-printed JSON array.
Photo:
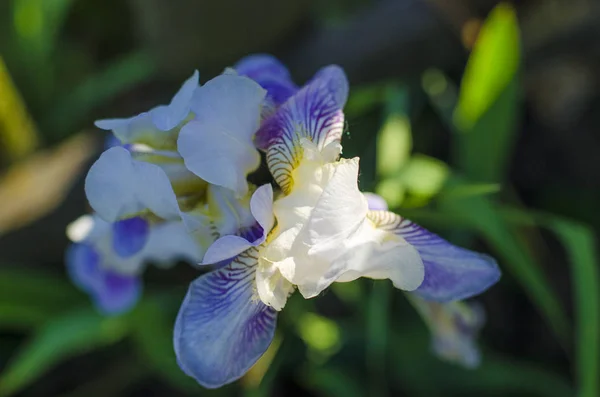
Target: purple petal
[
  {"x": 270, "y": 74},
  {"x": 222, "y": 329},
  {"x": 130, "y": 236},
  {"x": 314, "y": 113},
  {"x": 112, "y": 293},
  {"x": 225, "y": 248},
  {"x": 118, "y": 293},
  {"x": 451, "y": 273}
]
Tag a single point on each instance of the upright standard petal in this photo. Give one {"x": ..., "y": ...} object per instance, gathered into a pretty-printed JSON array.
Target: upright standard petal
[
  {"x": 217, "y": 145},
  {"x": 454, "y": 327},
  {"x": 222, "y": 328},
  {"x": 271, "y": 74},
  {"x": 118, "y": 187},
  {"x": 451, "y": 273},
  {"x": 314, "y": 114}
]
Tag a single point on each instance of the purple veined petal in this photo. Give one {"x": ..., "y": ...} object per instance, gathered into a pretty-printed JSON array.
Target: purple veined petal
[
  {"x": 225, "y": 248},
  {"x": 313, "y": 113},
  {"x": 217, "y": 145},
  {"x": 118, "y": 293},
  {"x": 130, "y": 236},
  {"x": 222, "y": 329},
  {"x": 454, "y": 328},
  {"x": 376, "y": 202},
  {"x": 270, "y": 74},
  {"x": 118, "y": 186},
  {"x": 451, "y": 273},
  {"x": 169, "y": 116}
]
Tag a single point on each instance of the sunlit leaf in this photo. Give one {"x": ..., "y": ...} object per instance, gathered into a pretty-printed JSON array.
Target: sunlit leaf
[
  {"x": 71, "y": 334},
  {"x": 17, "y": 131},
  {"x": 492, "y": 65},
  {"x": 424, "y": 176},
  {"x": 394, "y": 144},
  {"x": 489, "y": 100}
]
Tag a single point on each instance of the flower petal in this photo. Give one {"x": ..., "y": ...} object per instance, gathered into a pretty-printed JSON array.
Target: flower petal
[
  {"x": 170, "y": 241},
  {"x": 130, "y": 236},
  {"x": 271, "y": 74},
  {"x": 169, "y": 116},
  {"x": 118, "y": 186},
  {"x": 261, "y": 205},
  {"x": 314, "y": 113},
  {"x": 217, "y": 146},
  {"x": 454, "y": 327},
  {"x": 451, "y": 272},
  {"x": 224, "y": 248},
  {"x": 112, "y": 293},
  {"x": 222, "y": 329}
]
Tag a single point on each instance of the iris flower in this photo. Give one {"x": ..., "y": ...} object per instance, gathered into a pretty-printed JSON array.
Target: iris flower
[{"x": 315, "y": 228}]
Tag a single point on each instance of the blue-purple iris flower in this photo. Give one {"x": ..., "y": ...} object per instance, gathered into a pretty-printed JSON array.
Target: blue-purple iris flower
[
  {"x": 318, "y": 229},
  {"x": 188, "y": 163}
]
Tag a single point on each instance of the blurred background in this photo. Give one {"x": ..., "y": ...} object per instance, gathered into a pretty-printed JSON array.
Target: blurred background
[{"x": 480, "y": 121}]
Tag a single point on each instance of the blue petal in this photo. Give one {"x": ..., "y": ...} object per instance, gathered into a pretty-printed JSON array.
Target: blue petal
[
  {"x": 451, "y": 273},
  {"x": 314, "y": 113},
  {"x": 118, "y": 293},
  {"x": 111, "y": 292},
  {"x": 130, "y": 236},
  {"x": 270, "y": 74},
  {"x": 222, "y": 328}
]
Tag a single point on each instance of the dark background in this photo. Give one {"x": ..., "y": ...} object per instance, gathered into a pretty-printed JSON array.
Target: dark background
[{"x": 66, "y": 63}]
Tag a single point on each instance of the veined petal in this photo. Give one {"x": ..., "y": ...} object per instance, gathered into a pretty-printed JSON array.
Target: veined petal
[
  {"x": 118, "y": 186},
  {"x": 271, "y": 74},
  {"x": 217, "y": 145},
  {"x": 169, "y": 116},
  {"x": 451, "y": 273},
  {"x": 314, "y": 113},
  {"x": 454, "y": 327},
  {"x": 228, "y": 213},
  {"x": 130, "y": 236},
  {"x": 224, "y": 248},
  {"x": 222, "y": 329}
]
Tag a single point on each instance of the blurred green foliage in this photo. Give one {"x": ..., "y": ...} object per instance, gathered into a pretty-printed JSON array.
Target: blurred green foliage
[{"x": 361, "y": 338}]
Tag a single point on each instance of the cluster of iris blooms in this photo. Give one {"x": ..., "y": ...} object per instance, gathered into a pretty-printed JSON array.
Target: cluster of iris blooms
[{"x": 174, "y": 185}]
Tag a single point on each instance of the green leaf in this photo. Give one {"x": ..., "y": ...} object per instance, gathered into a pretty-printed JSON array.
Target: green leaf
[
  {"x": 493, "y": 64},
  {"x": 74, "y": 107},
  {"x": 515, "y": 256},
  {"x": 488, "y": 102},
  {"x": 580, "y": 245},
  {"x": 71, "y": 334},
  {"x": 30, "y": 298},
  {"x": 394, "y": 144},
  {"x": 579, "y": 242},
  {"x": 377, "y": 335},
  {"x": 153, "y": 337}
]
